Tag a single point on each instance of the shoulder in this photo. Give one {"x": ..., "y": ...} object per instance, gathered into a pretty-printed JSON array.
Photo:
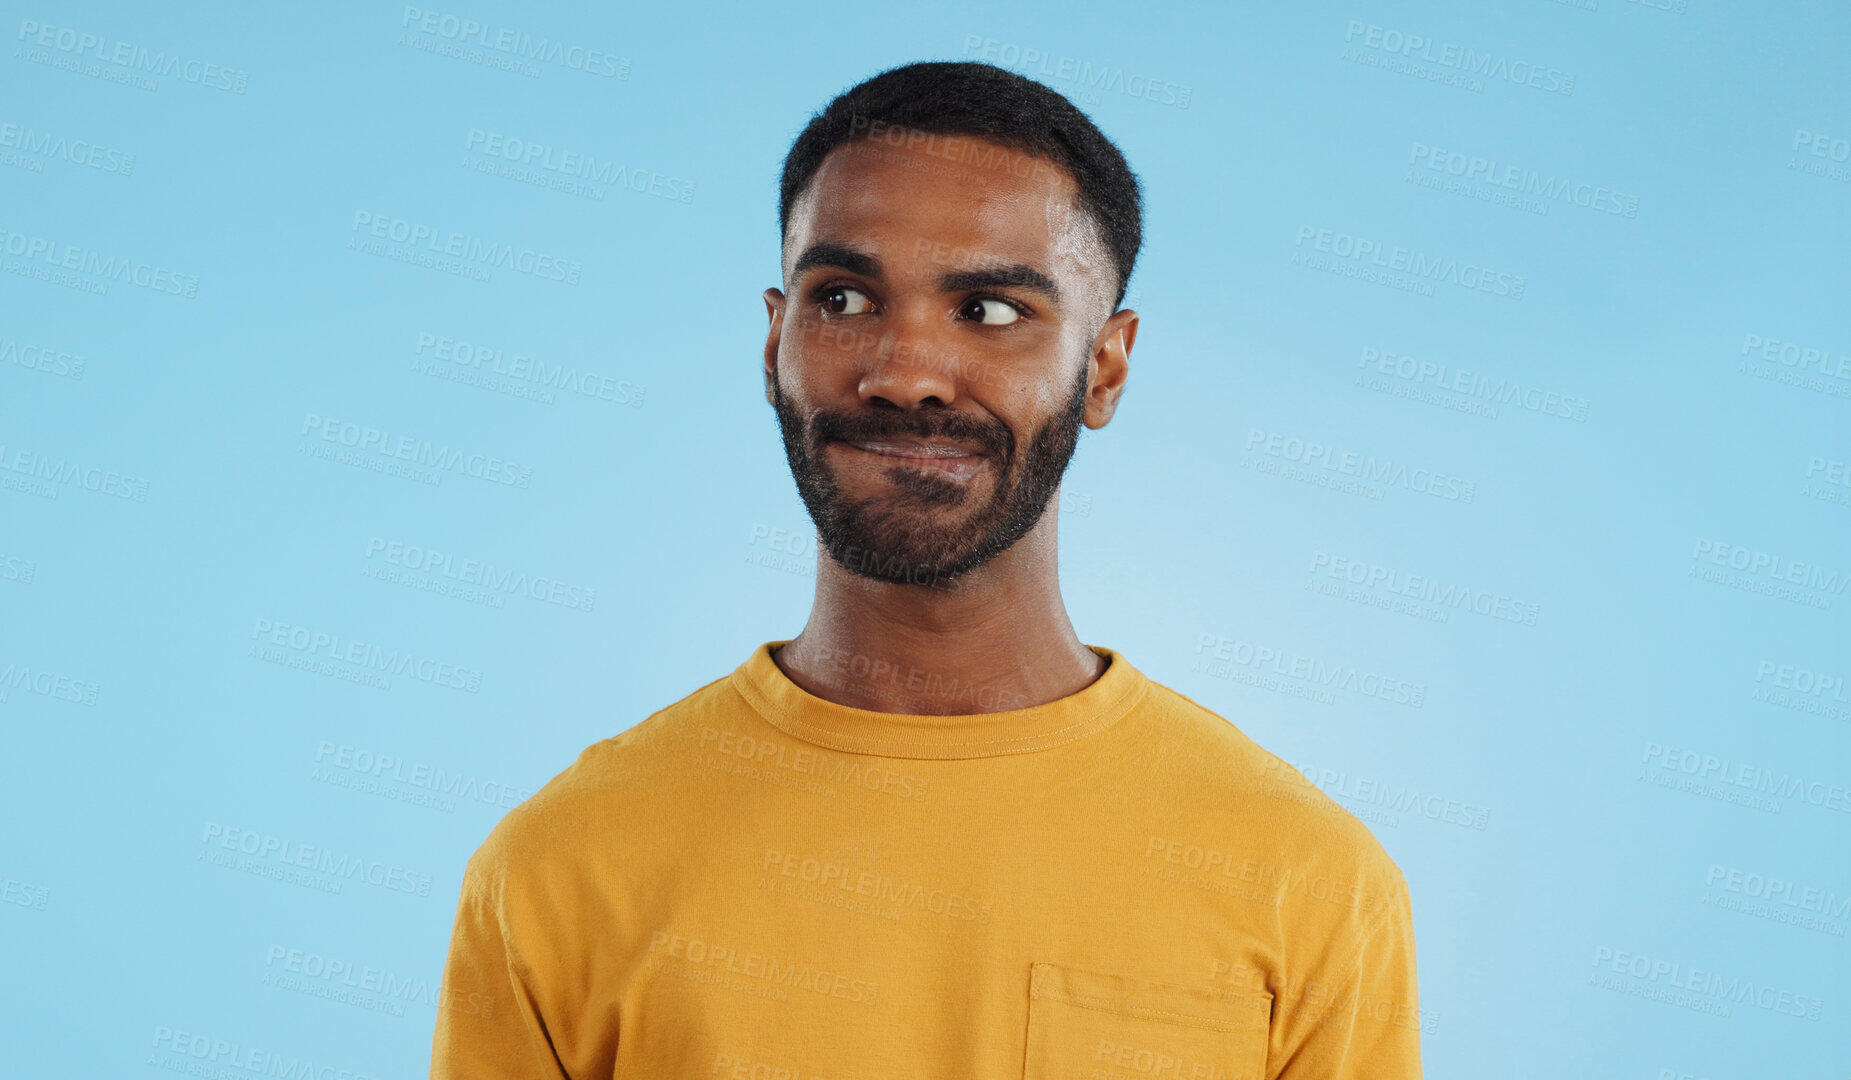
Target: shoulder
[
  {"x": 1257, "y": 801},
  {"x": 614, "y": 788}
]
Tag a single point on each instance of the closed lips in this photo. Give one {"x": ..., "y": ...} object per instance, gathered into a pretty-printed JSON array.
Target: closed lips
[{"x": 914, "y": 449}]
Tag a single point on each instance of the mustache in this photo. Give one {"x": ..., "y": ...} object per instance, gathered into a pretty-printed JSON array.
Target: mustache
[{"x": 994, "y": 439}]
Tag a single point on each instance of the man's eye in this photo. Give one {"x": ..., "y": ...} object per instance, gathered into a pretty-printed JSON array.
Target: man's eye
[
  {"x": 990, "y": 312},
  {"x": 843, "y": 300}
]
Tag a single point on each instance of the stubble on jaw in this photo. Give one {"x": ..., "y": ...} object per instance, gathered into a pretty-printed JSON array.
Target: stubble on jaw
[{"x": 891, "y": 542}]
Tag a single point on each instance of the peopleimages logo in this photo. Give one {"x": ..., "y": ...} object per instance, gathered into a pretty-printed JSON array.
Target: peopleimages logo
[
  {"x": 1425, "y": 588},
  {"x": 418, "y": 774},
  {"x": 1525, "y": 180},
  {"x": 1755, "y": 565},
  {"x": 476, "y": 572},
  {"x": 476, "y": 253},
  {"x": 579, "y": 166},
  {"x": 1401, "y": 798},
  {"x": 1801, "y": 680},
  {"x": 231, "y": 1054},
  {"x": 1365, "y": 467},
  {"x": 340, "y": 979},
  {"x": 1821, "y": 145},
  {"x": 1775, "y": 890},
  {"x": 1417, "y": 265},
  {"x": 91, "y": 478},
  {"x": 523, "y": 375},
  {"x": 515, "y": 43},
  {"x": 124, "y": 54},
  {"x": 1084, "y": 73},
  {"x": 420, "y": 453},
  {"x": 76, "y": 151},
  {"x": 1481, "y": 391},
  {"x": 51, "y": 684},
  {"x": 46, "y": 358},
  {"x": 1705, "y": 987},
  {"x": 365, "y": 657},
  {"x": 1232, "y": 658},
  {"x": 15, "y": 568},
  {"x": 1459, "y": 58},
  {"x": 1751, "y": 780},
  {"x": 101, "y": 268},
  {"x": 347, "y": 866},
  {"x": 1797, "y": 355}
]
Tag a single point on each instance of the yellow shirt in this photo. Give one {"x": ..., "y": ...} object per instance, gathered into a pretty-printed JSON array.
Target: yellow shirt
[{"x": 758, "y": 884}]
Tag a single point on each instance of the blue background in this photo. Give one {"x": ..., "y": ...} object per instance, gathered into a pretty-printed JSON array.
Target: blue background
[{"x": 1602, "y": 762}]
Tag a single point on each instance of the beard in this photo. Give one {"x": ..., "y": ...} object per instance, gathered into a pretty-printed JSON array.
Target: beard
[{"x": 922, "y": 532}]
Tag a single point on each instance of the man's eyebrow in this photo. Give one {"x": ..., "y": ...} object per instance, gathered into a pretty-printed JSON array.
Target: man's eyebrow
[
  {"x": 1020, "y": 276},
  {"x": 846, "y": 258}
]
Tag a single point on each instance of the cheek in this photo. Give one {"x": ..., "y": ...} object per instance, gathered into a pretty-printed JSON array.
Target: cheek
[
  {"x": 1017, "y": 396},
  {"x": 1046, "y": 392},
  {"x": 823, "y": 352},
  {"x": 1024, "y": 409}
]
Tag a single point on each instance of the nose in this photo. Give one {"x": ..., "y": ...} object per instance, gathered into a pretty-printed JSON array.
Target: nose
[{"x": 912, "y": 367}]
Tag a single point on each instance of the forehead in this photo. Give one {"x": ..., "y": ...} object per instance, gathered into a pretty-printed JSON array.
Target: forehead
[{"x": 947, "y": 199}]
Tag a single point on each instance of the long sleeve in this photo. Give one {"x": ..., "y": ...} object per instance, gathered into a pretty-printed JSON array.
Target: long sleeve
[
  {"x": 1362, "y": 1020},
  {"x": 488, "y": 1019}
]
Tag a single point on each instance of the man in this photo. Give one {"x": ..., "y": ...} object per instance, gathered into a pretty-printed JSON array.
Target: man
[{"x": 935, "y": 835}]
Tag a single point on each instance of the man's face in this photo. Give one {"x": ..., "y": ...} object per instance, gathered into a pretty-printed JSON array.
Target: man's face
[{"x": 939, "y": 347}]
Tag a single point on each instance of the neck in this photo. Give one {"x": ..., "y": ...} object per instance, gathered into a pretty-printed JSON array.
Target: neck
[{"x": 997, "y": 638}]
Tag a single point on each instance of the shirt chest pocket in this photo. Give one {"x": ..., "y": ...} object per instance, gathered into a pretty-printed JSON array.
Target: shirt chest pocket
[{"x": 1087, "y": 1025}]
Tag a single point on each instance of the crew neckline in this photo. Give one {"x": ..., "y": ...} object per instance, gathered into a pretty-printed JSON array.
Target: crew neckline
[{"x": 797, "y": 712}]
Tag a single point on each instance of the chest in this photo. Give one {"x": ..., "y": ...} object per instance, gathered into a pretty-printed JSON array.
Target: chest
[{"x": 794, "y": 947}]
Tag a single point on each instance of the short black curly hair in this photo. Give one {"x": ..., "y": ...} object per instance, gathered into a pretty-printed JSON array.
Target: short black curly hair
[{"x": 988, "y": 102}]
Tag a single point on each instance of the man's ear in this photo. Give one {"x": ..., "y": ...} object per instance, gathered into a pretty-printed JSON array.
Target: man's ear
[
  {"x": 774, "y": 307},
  {"x": 1111, "y": 361}
]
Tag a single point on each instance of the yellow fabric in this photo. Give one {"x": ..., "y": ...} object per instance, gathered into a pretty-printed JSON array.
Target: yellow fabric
[{"x": 760, "y": 884}]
